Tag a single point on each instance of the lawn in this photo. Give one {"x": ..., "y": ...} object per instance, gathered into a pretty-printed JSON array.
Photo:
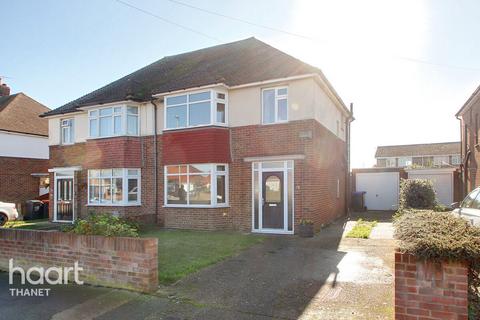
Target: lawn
[
  {"x": 362, "y": 229},
  {"x": 182, "y": 252},
  {"x": 29, "y": 224}
]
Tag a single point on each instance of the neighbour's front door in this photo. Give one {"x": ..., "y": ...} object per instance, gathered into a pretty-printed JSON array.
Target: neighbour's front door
[
  {"x": 273, "y": 202},
  {"x": 64, "y": 199}
]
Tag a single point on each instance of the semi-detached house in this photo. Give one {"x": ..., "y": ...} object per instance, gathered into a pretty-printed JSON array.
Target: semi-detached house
[{"x": 237, "y": 136}]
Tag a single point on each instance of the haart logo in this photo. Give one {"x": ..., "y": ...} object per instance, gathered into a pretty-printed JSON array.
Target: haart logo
[{"x": 52, "y": 276}]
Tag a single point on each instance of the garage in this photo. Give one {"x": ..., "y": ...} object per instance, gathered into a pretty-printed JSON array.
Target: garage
[
  {"x": 381, "y": 189},
  {"x": 442, "y": 180}
]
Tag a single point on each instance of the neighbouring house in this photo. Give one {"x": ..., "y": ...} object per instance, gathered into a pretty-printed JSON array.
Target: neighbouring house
[
  {"x": 438, "y": 162},
  {"x": 24, "y": 150},
  {"x": 469, "y": 115},
  {"x": 237, "y": 136},
  {"x": 426, "y": 155}
]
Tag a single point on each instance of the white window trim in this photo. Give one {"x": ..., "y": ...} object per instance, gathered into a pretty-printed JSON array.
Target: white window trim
[
  {"x": 213, "y": 182},
  {"x": 213, "y": 108},
  {"x": 277, "y": 97},
  {"x": 258, "y": 168},
  {"x": 124, "y": 115},
  {"x": 71, "y": 131},
  {"x": 125, "y": 178}
]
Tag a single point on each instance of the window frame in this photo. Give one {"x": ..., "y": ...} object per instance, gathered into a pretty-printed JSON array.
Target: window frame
[
  {"x": 125, "y": 177},
  {"x": 124, "y": 121},
  {"x": 71, "y": 130},
  {"x": 213, "y": 172},
  {"x": 213, "y": 108},
  {"x": 277, "y": 97}
]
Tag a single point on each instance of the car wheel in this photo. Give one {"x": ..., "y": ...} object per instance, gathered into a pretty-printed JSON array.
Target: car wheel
[{"x": 3, "y": 219}]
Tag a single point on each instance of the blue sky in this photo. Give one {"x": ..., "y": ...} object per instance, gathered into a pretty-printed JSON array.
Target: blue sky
[{"x": 408, "y": 66}]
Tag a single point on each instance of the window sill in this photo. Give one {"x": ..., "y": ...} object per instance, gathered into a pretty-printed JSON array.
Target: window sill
[
  {"x": 195, "y": 127},
  {"x": 109, "y": 137},
  {"x": 113, "y": 205},
  {"x": 195, "y": 206},
  {"x": 273, "y": 123}
]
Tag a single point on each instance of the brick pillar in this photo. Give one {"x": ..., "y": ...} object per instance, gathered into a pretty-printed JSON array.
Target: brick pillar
[{"x": 430, "y": 290}]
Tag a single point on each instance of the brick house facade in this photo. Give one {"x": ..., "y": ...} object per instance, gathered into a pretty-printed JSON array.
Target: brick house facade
[
  {"x": 469, "y": 116},
  {"x": 23, "y": 148},
  {"x": 240, "y": 169}
]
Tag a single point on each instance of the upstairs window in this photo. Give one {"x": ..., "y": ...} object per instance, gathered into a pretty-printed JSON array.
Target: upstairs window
[
  {"x": 275, "y": 105},
  {"x": 113, "y": 121},
  {"x": 456, "y": 159},
  {"x": 66, "y": 131},
  {"x": 195, "y": 109}
]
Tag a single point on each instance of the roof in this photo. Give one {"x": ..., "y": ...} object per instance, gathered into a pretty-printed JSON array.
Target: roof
[
  {"x": 20, "y": 113},
  {"x": 467, "y": 103},
  {"x": 426, "y": 149},
  {"x": 241, "y": 62}
]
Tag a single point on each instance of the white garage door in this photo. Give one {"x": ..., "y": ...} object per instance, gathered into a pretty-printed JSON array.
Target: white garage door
[
  {"x": 381, "y": 189},
  {"x": 442, "y": 183}
]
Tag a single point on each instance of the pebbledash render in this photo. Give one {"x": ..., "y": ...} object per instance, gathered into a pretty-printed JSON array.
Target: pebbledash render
[{"x": 238, "y": 136}]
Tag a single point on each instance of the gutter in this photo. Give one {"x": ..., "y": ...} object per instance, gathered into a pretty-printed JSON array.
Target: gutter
[
  {"x": 464, "y": 156},
  {"x": 155, "y": 158},
  {"x": 348, "y": 187}
]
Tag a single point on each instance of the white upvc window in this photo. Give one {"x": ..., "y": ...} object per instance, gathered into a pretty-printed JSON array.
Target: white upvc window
[
  {"x": 67, "y": 131},
  {"x": 114, "y": 187},
  {"x": 196, "y": 185},
  {"x": 440, "y": 160},
  {"x": 391, "y": 162},
  {"x": 274, "y": 105},
  {"x": 196, "y": 109},
  {"x": 404, "y": 161},
  {"x": 456, "y": 160},
  {"x": 113, "y": 121}
]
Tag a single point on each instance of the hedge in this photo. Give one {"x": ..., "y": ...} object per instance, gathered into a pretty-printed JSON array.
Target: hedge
[{"x": 437, "y": 236}]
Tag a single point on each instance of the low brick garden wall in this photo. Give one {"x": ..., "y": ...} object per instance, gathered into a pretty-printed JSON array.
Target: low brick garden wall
[
  {"x": 430, "y": 290},
  {"x": 128, "y": 263}
]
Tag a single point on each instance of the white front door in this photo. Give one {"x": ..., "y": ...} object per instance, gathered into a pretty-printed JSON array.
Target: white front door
[
  {"x": 64, "y": 197},
  {"x": 382, "y": 189},
  {"x": 272, "y": 197}
]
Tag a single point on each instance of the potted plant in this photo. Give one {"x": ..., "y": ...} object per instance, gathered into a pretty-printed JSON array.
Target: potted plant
[{"x": 306, "y": 228}]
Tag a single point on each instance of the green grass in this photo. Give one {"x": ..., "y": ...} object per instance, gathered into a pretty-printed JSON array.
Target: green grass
[
  {"x": 362, "y": 229},
  {"x": 182, "y": 252},
  {"x": 29, "y": 224}
]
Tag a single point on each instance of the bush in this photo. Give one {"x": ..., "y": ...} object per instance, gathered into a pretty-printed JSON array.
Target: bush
[
  {"x": 417, "y": 194},
  {"x": 103, "y": 225},
  {"x": 437, "y": 236}
]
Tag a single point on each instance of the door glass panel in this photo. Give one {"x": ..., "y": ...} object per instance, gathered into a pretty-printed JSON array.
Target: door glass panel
[
  {"x": 273, "y": 190},
  {"x": 256, "y": 199},
  {"x": 290, "y": 199},
  {"x": 64, "y": 201}
]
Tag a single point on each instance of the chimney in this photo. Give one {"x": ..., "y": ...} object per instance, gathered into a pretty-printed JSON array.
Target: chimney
[{"x": 4, "y": 89}]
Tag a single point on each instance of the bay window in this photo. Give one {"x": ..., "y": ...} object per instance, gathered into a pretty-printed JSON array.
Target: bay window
[
  {"x": 114, "y": 187},
  {"x": 274, "y": 105},
  {"x": 66, "y": 131},
  {"x": 196, "y": 109},
  {"x": 196, "y": 185},
  {"x": 113, "y": 121}
]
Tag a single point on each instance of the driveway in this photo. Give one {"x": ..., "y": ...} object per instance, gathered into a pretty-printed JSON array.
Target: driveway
[{"x": 325, "y": 277}]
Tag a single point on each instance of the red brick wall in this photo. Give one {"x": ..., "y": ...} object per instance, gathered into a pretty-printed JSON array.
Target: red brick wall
[
  {"x": 16, "y": 182},
  {"x": 129, "y": 263},
  {"x": 315, "y": 176},
  {"x": 430, "y": 290},
  {"x": 210, "y": 145}
]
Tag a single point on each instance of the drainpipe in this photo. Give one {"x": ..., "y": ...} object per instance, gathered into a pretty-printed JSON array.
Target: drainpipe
[
  {"x": 348, "y": 187},
  {"x": 464, "y": 158},
  {"x": 155, "y": 158}
]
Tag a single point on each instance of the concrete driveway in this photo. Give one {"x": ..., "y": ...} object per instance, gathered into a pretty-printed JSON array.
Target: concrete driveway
[{"x": 326, "y": 277}]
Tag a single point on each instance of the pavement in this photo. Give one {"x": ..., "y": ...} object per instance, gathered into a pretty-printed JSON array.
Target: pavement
[{"x": 286, "y": 277}]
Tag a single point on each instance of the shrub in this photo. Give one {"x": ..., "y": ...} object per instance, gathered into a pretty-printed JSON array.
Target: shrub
[
  {"x": 103, "y": 225},
  {"x": 417, "y": 194},
  {"x": 437, "y": 235}
]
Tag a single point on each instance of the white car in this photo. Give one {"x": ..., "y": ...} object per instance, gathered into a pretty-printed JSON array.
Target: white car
[
  {"x": 8, "y": 212},
  {"x": 469, "y": 208}
]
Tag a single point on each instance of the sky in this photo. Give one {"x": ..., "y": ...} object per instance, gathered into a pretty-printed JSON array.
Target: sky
[{"x": 406, "y": 65}]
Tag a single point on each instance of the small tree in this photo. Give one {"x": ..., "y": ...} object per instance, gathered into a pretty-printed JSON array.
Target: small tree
[{"x": 417, "y": 194}]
